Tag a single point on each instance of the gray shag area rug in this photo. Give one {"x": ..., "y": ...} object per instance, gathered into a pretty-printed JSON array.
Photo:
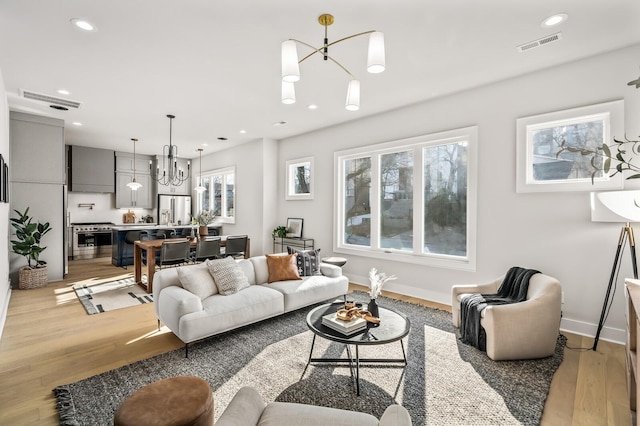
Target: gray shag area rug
[{"x": 444, "y": 383}]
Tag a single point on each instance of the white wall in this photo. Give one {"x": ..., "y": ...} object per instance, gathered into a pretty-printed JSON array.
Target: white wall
[
  {"x": 551, "y": 232},
  {"x": 255, "y": 188},
  {"x": 5, "y": 288}
]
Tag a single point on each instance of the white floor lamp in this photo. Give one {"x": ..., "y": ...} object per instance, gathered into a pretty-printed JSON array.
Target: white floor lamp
[{"x": 616, "y": 206}]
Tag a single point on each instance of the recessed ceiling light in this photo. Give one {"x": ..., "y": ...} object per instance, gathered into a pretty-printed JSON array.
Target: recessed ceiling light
[
  {"x": 554, "y": 20},
  {"x": 83, "y": 24},
  {"x": 77, "y": 123},
  {"x": 64, "y": 92},
  {"x": 243, "y": 131},
  {"x": 205, "y": 144},
  {"x": 313, "y": 106},
  {"x": 222, "y": 138},
  {"x": 279, "y": 123}
]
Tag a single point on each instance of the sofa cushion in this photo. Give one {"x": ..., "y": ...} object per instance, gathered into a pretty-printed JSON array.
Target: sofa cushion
[
  {"x": 228, "y": 276},
  {"x": 197, "y": 280},
  {"x": 282, "y": 268},
  {"x": 247, "y": 269},
  {"x": 307, "y": 261},
  {"x": 311, "y": 290}
]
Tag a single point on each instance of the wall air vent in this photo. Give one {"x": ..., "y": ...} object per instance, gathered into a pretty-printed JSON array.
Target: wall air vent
[
  {"x": 49, "y": 99},
  {"x": 540, "y": 42}
]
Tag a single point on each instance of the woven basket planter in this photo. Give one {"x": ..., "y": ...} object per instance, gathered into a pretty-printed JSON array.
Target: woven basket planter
[{"x": 32, "y": 278}]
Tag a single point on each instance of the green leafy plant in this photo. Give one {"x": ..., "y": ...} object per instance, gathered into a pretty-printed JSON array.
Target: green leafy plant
[
  {"x": 205, "y": 217},
  {"x": 610, "y": 160},
  {"x": 28, "y": 237},
  {"x": 279, "y": 231}
]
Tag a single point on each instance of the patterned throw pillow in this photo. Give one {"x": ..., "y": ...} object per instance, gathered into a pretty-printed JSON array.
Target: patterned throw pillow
[
  {"x": 282, "y": 268},
  {"x": 308, "y": 261},
  {"x": 228, "y": 276}
]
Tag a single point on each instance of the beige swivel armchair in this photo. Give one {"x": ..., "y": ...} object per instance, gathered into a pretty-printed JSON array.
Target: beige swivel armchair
[{"x": 524, "y": 330}]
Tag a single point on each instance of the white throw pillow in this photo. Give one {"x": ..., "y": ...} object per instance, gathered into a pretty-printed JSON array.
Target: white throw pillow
[
  {"x": 228, "y": 276},
  {"x": 197, "y": 280}
]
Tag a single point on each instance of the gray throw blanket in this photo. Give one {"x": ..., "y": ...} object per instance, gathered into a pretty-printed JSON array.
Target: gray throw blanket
[{"x": 512, "y": 290}]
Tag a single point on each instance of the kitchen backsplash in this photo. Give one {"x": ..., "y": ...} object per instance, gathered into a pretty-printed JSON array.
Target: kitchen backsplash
[{"x": 90, "y": 207}]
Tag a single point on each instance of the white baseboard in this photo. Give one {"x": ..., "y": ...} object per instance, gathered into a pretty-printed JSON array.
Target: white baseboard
[{"x": 581, "y": 328}]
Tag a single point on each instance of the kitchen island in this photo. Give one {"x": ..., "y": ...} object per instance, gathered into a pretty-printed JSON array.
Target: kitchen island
[{"x": 122, "y": 253}]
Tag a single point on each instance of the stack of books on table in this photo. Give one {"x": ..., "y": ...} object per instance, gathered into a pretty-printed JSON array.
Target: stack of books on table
[{"x": 345, "y": 327}]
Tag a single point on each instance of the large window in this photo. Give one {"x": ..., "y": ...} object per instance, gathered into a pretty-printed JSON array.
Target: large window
[
  {"x": 412, "y": 199},
  {"x": 220, "y": 194}
]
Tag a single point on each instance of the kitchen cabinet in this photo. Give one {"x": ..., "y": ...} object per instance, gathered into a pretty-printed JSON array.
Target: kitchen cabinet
[
  {"x": 36, "y": 149},
  {"x": 91, "y": 169},
  {"x": 184, "y": 188},
  {"x": 125, "y": 197}
]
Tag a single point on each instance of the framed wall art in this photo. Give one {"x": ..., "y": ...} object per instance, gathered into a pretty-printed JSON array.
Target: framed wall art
[
  {"x": 299, "y": 183},
  {"x": 563, "y": 150},
  {"x": 294, "y": 227}
]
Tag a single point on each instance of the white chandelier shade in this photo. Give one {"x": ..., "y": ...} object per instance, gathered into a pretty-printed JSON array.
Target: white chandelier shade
[
  {"x": 290, "y": 66},
  {"x": 288, "y": 93},
  {"x": 376, "y": 62},
  {"x": 375, "y": 57},
  {"x": 200, "y": 189},
  {"x": 353, "y": 96}
]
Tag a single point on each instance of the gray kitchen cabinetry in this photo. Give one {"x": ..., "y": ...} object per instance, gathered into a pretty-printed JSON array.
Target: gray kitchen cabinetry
[
  {"x": 184, "y": 188},
  {"x": 125, "y": 197},
  {"x": 91, "y": 169}
]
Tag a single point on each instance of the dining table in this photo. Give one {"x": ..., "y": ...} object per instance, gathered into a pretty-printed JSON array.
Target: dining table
[{"x": 152, "y": 248}]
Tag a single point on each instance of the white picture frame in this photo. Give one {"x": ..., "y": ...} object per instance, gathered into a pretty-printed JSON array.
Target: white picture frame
[
  {"x": 299, "y": 179},
  {"x": 539, "y": 168}
]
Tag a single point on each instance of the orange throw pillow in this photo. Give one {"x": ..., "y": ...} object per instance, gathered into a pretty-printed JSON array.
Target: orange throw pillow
[{"x": 282, "y": 268}]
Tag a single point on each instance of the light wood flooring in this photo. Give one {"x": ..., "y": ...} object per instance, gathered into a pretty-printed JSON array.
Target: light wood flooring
[{"x": 49, "y": 340}]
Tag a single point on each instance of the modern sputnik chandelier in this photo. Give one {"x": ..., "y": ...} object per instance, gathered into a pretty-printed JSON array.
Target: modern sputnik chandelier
[
  {"x": 291, "y": 68},
  {"x": 134, "y": 185},
  {"x": 170, "y": 173}
]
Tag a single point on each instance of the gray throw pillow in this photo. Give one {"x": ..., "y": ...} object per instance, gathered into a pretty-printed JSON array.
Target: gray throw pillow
[
  {"x": 228, "y": 276},
  {"x": 197, "y": 280}
]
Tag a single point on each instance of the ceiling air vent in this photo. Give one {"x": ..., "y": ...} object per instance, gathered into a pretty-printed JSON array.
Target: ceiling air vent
[
  {"x": 540, "y": 42},
  {"x": 50, "y": 99}
]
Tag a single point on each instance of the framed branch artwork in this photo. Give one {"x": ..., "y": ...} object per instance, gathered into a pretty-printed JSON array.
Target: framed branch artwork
[
  {"x": 294, "y": 227},
  {"x": 299, "y": 183},
  {"x": 567, "y": 150}
]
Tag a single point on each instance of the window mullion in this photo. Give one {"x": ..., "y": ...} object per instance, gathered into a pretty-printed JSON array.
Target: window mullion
[
  {"x": 418, "y": 200},
  {"x": 375, "y": 201}
]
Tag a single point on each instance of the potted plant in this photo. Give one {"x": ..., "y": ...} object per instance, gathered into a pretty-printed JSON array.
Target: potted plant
[
  {"x": 205, "y": 218},
  {"x": 27, "y": 243},
  {"x": 279, "y": 231}
]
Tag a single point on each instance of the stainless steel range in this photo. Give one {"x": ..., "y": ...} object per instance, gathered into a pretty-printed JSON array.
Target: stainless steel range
[{"x": 91, "y": 240}]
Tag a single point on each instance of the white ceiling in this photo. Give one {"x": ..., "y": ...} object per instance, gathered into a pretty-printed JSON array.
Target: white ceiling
[{"x": 216, "y": 64}]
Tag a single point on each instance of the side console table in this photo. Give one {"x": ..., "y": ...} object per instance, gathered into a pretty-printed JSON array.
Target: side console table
[{"x": 283, "y": 242}]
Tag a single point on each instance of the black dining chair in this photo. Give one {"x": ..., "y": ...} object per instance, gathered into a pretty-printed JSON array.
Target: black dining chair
[
  {"x": 129, "y": 239},
  {"x": 207, "y": 248},
  {"x": 174, "y": 252},
  {"x": 236, "y": 246},
  {"x": 166, "y": 233}
]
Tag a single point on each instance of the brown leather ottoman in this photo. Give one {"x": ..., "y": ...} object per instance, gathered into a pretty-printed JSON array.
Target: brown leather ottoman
[{"x": 178, "y": 401}]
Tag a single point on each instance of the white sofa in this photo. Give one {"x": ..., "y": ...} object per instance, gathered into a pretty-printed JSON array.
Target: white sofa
[
  {"x": 191, "y": 318},
  {"x": 247, "y": 409}
]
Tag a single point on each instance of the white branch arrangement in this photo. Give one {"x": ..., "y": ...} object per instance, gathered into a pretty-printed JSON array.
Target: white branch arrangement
[{"x": 376, "y": 281}]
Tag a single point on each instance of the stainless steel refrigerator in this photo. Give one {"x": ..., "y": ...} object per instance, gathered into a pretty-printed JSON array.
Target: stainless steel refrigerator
[{"x": 174, "y": 209}]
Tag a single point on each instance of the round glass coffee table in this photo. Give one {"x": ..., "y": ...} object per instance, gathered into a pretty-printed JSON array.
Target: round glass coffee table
[{"x": 393, "y": 327}]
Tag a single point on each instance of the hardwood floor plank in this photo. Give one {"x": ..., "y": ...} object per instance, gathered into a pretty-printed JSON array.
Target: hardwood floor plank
[{"x": 49, "y": 340}]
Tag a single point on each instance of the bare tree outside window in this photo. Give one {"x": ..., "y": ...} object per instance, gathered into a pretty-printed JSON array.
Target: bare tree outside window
[
  {"x": 357, "y": 226},
  {"x": 396, "y": 200},
  {"x": 445, "y": 199}
]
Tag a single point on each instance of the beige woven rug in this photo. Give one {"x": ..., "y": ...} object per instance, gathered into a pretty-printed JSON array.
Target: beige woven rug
[{"x": 99, "y": 296}]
